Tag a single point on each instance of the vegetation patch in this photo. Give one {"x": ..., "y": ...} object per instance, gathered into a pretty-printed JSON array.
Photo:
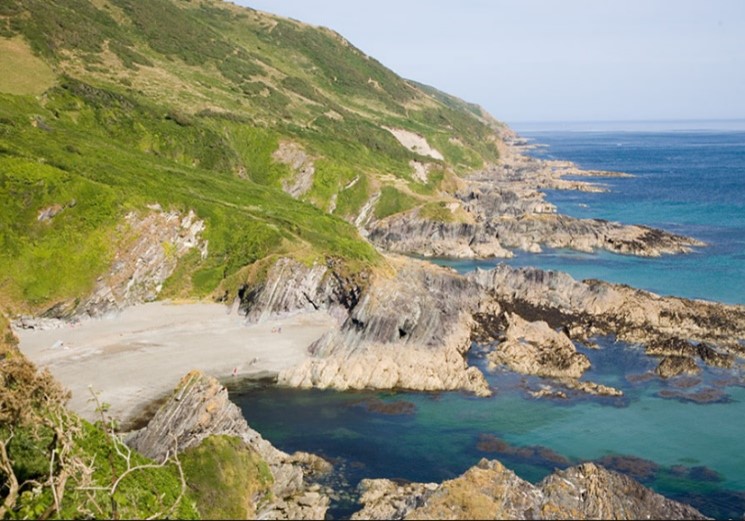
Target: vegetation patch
[
  {"x": 53, "y": 464},
  {"x": 393, "y": 201},
  {"x": 227, "y": 478}
]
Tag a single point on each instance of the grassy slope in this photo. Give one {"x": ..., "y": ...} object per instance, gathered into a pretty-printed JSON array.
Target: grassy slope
[{"x": 183, "y": 103}]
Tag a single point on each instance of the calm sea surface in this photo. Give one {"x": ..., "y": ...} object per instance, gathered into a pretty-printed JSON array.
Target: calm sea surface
[{"x": 690, "y": 182}]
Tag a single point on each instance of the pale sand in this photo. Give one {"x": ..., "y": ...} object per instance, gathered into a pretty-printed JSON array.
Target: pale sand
[{"x": 140, "y": 355}]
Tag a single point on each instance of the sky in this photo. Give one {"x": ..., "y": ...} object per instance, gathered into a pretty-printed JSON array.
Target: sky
[{"x": 554, "y": 60}]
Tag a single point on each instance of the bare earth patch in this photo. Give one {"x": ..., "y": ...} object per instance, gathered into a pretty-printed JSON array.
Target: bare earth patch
[{"x": 24, "y": 73}]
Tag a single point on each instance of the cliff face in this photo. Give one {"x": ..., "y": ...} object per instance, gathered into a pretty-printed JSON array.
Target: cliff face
[
  {"x": 411, "y": 328},
  {"x": 200, "y": 408},
  {"x": 490, "y": 491}
]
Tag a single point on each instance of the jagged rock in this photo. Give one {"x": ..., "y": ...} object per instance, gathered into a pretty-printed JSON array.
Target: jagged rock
[
  {"x": 534, "y": 348},
  {"x": 410, "y": 326},
  {"x": 199, "y": 408},
  {"x": 386, "y": 499},
  {"x": 409, "y": 331},
  {"x": 491, "y": 491},
  {"x": 632, "y": 315},
  {"x": 293, "y": 155},
  {"x": 589, "y": 491},
  {"x": 676, "y": 365},
  {"x": 503, "y": 207},
  {"x": 151, "y": 245},
  {"x": 408, "y": 233},
  {"x": 593, "y": 388}
]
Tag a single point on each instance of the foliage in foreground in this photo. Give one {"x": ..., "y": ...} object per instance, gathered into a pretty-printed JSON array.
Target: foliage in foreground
[{"x": 54, "y": 465}]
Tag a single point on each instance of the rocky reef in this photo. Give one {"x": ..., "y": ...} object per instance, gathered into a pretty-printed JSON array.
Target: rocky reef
[
  {"x": 200, "y": 408},
  {"x": 409, "y": 327},
  {"x": 491, "y": 491},
  {"x": 664, "y": 325},
  {"x": 535, "y": 348},
  {"x": 503, "y": 208}
]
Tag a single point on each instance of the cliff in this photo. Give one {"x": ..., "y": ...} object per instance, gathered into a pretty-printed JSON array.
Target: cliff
[{"x": 199, "y": 410}]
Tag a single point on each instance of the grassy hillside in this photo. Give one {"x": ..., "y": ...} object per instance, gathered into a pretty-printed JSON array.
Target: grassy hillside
[{"x": 113, "y": 105}]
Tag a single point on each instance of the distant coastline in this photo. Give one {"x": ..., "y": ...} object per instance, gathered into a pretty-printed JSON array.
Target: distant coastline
[{"x": 664, "y": 125}]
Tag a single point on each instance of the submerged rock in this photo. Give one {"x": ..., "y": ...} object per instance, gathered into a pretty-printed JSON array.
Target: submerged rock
[{"x": 677, "y": 365}]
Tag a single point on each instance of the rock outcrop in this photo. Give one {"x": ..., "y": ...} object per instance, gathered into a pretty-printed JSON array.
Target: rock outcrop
[
  {"x": 409, "y": 327},
  {"x": 200, "y": 408},
  {"x": 409, "y": 330},
  {"x": 534, "y": 348},
  {"x": 147, "y": 253},
  {"x": 594, "y": 307},
  {"x": 491, "y": 491},
  {"x": 503, "y": 207}
]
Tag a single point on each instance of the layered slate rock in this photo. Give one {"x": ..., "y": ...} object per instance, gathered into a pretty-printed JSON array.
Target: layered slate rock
[
  {"x": 409, "y": 330},
  {"x": 409, "y": 327},
  {"x": 200, "y": 408},
  {"x": 503, "y": 207},
  {"x": 491, "y": 491}
]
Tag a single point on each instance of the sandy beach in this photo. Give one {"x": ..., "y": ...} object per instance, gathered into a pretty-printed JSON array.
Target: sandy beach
[{"x": 138, "y": 356}]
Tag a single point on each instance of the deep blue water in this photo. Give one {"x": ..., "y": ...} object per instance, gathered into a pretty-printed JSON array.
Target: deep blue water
[
  {"x": 687, "y": 182},
  {"x": 691, "y": 183}
]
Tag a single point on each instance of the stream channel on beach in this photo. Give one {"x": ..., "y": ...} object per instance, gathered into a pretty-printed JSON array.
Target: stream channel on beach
[{"x": 680, "y": 437}]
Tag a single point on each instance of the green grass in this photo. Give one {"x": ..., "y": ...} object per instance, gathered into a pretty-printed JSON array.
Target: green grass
[
  {"x": 89, "y": 154},
  {"x": 393, "y": 201},
  {"x": 436, "y": 211},
  {"x": 30, "y": 75},
  {"x": 117, "y": 134},
  {"x": 225, "y": 476}
]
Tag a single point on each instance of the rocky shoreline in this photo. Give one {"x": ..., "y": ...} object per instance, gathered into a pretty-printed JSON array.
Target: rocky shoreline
[
  {"x": 199, "y": 408},
  {"x": 409, "y": 324},
  {"x": 488, "y": 490},
  {"x": 411, "y": 327},
  {"x": 503, "y": 208}
]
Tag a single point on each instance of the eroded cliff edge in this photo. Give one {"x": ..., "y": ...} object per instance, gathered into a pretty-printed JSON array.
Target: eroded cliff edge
[{"x": 410, "y": 326}]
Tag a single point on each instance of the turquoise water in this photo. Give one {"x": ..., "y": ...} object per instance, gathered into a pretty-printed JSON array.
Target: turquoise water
[
  {"x": 692, "y": 183},
  {"x": 687, "y": 182}
]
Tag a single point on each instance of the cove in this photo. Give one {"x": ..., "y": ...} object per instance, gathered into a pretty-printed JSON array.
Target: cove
[
  {"x": 680, "y": 437},
  {"x": 656, "y": 432}
]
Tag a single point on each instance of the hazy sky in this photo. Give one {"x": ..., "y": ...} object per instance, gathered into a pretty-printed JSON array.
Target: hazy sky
[{"x": 549, "y": 60}]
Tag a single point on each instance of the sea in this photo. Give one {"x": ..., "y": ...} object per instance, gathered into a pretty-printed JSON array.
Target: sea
[{"x": 684, "y": 438}]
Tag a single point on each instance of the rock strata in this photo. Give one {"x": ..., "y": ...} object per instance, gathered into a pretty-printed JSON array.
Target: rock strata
[
  {"x": 534, "y": 348},
  {"x": 148, "y": 251},
  {"x": 503, "y": 207},
  {"x": 491, "y": 491},
  {"x": 594, "y": 307},
  {"x": 199, "y": 408},
  {"x": 410, "y": 326},
  {"x": 410, "y": 330}
]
